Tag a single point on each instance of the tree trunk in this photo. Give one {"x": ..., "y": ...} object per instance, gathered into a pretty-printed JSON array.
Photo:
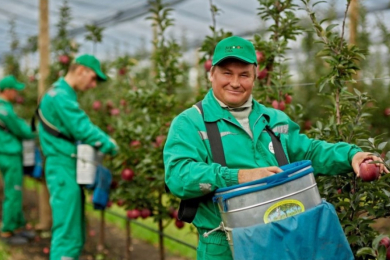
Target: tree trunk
[
  {"x": 353, "y": 31},
  {"x": 45, "y": 218}
]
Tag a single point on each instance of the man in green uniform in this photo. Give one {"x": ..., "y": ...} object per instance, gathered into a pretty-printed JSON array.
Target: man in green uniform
[
  {"x": 59, "y": 109},
  {"x": 189, "y": 167},
  {"x": 12, "y": 131}
]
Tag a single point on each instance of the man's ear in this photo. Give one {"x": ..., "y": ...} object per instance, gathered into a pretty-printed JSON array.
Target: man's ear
[
  {"x": 79, "y": 70},
  {"x": 211, "y": 74}
]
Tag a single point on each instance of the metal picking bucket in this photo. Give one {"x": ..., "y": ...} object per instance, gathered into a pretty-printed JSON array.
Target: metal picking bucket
[
  {"x": 28, "y": 153},
  {"x": 87, "y": 159},
  {"x": 273, "y": 198}
]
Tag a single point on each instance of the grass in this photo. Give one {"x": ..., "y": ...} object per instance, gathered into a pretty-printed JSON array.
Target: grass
[
  {"x": 4, "y": 255},
  {"x": 185, "y": 234},
  {"x": 141, "y": 233}
]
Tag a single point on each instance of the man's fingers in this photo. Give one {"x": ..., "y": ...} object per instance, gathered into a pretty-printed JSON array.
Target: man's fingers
[
  {"x": 274, "y": 169},
  {"x": 356, "y": 169}
]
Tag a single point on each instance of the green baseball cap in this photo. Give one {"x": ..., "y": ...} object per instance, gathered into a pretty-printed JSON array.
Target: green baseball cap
[
  {"x": 91, "y": 62},
  {"x": 234, "y": 47},
  {"x": 11, "y": 82}
]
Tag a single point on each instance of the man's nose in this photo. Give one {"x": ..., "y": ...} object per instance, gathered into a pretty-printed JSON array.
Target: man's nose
[
  {"x": 235, "y": 83},
  {"x": 93, "y": 84}
]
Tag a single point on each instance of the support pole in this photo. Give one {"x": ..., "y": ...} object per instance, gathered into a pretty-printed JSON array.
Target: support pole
[{"x": 45, "y": 219}]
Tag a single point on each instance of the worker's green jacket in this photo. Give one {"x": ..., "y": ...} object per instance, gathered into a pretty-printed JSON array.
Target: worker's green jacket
[
  {"x": 60, "y": 108},
  {"x": 17, "y": 130},
  {"x": 191, "y": 172}
]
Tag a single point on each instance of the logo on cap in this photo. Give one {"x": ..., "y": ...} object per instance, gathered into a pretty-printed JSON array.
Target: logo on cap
[{"x": 231, "y": 48}]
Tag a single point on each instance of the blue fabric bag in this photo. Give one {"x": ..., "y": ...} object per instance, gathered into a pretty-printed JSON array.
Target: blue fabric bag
[
  {"x": 38, "y": 168},
  {"x": 35, "y": 171},
  {"x": 101, "y": 188},
  {"x": 315, "y": 234}
]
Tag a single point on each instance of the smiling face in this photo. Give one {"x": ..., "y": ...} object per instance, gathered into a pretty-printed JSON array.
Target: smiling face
[{"x": 232, "y": 81}]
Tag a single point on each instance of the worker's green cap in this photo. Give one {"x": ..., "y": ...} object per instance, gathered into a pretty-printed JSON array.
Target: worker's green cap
[
  {"x": 11, "y": 82},
  {"x": 91, "y": 62},
  {"x": 234, "y": 47}
]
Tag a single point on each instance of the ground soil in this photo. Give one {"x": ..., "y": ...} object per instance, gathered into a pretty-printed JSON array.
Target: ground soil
[{"x": 114, "y": 248}]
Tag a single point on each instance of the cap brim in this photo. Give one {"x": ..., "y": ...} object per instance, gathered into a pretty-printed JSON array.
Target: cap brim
[
  {"x": 237, "y": 57},
  {"x": 100, "y": 75},
  {"x": 19, "y": 86}
]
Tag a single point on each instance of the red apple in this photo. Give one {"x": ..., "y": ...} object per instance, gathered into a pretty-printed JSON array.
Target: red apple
[
  {"x": 133, "y": 213},
  {"x": 96, "y": 105},
  {"x": 110, "y": 129},
  {"x": 92, "y": 233},
  {"x": 260, "y": 56},
  {"x": 282, "y": 105},
  {"x": 168, "y": 124},
  {"x": 262, "y": 74},
  {"x": 123, "y": 102},
  {"x": 287, "y": 98},
  {"x": 179, "y": 224},
  {"x": 160, "y": 139},
  {"x": 307, "y": 125},
  {"x": 173, "y": 213},
  {"x": 135, "y": 143},
  {"x": 120, "y": 202},
  {"x": 385, "y": 242},
  {"x": 115, "y": 111},
  {"x": 19, "y": 100},
  {"x": 369, "y": 171},
  {"x": 387, "y": 111},
  {"x": 109, "y": 204},
  {"x": 64, "y": 59},
  {"x": 339, "y": 191},
  {"x": 31, "y": 78},
  {"x": 46, "y": 250},
  {"x": 207, "y": 65},
  {"x": 145, "y": 213},
  {"x": 127, "y": 174},
  {"x": 275, "y": 104},
  {"x": 122, "y": 71},
  {"x": 388, "y": 253}
]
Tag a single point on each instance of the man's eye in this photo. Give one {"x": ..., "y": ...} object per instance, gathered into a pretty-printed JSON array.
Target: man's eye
[{"x": 227, "y": 73}]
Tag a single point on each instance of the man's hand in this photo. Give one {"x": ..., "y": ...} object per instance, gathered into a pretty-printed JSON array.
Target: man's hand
[
  {"x": 114, "y": 147},
  {"x": 257, "y": 173},
  {"x": 359, "y": 157}
]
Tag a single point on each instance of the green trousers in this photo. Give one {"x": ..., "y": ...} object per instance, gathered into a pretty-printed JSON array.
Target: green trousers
[
  {"x": 213, "y": 248},
  {"x": 66, "y": 201},
  {"x": 11, "y": 167}
]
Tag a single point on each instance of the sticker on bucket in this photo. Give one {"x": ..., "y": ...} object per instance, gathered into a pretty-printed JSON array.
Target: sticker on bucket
[{"x": 283, "y": 209}]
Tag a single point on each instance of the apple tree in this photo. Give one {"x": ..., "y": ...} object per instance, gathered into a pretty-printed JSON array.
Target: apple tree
[
  {"x": 358, "y": 203},
  {"x": 272, "y": 71},
  {"x": 140, "y": 116}
]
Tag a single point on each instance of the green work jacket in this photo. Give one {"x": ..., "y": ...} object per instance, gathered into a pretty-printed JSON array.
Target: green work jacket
[
  {"x": 60, "y": 108},
  {"x": 189, "y": 168},
  {"x": 17, "y": 130}
]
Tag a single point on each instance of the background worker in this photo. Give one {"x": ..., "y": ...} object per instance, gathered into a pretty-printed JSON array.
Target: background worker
[
  {"x": 189, "y": 167},
  {"x": 60, "y": 109},
  {"x": 12, "y": 131}
]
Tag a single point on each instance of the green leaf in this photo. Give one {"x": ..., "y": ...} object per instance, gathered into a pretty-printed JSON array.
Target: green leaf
[
  {"x": 330, "y": 27},
  {"x": 382, "y": 146},
  {"x": 357, "y": 92},
  {"x": 319, "y": 2},
  {"x": 365, "y": 251}
]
